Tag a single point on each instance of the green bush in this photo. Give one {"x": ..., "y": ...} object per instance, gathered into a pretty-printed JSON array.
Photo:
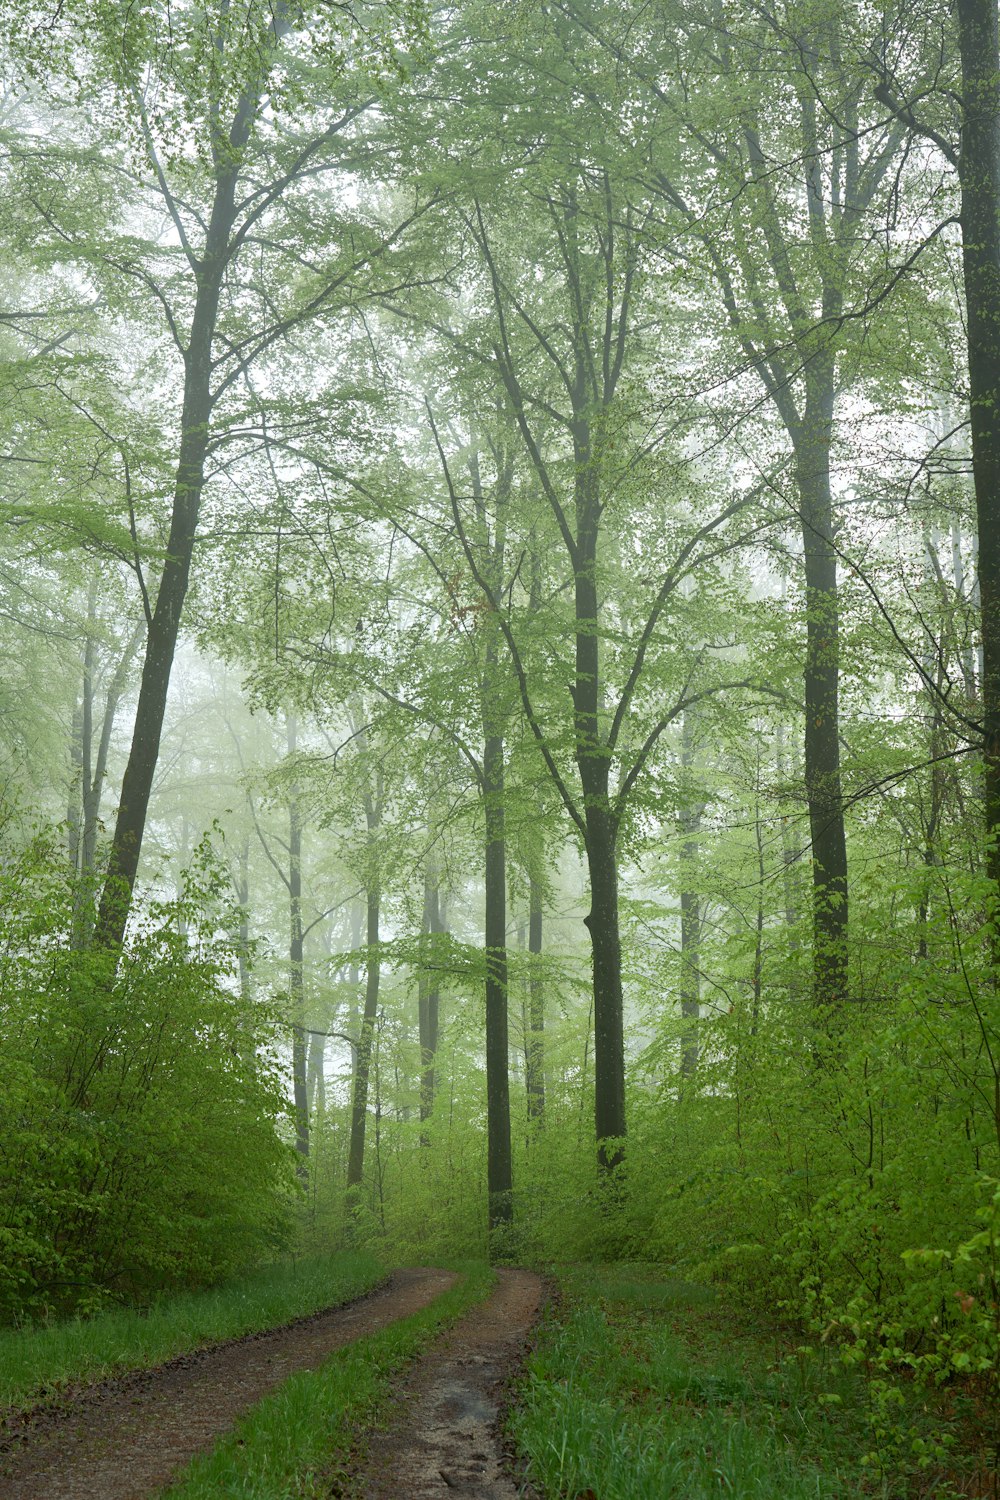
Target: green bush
[{"x": 139, "y": 1102}]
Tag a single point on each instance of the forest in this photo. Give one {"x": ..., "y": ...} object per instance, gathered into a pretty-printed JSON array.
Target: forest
[{"x": 500, "y": 688}]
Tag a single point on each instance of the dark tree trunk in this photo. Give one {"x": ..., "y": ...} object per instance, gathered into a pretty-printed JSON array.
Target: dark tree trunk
[
  {"x": 609, "y": 1033},
  {"x": 493, "y": 713},
  {"x": 500, "y": 1183},
  {"x": 535, "y": 1049},
  {"x": 821, "y": 748},
  {"x": 980, "y": 184},
  {"x": 161, "y": 643},
  {"x": 601, "y": 831},
  {"x": 164, "y": 626}
]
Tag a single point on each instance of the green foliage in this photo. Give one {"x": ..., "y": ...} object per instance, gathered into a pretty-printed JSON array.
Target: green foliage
[
  {"x": 139, "y": 1146},
  {"x": 843, "y": 1169},
  {"x": 619, "y": 1404},
  {"x": 40, "y": 1361}
]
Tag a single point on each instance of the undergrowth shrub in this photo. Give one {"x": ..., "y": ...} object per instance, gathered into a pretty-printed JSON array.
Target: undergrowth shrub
[
  {"x": 841, "y": 1168},
  {"x": 139, "y": 1102}
]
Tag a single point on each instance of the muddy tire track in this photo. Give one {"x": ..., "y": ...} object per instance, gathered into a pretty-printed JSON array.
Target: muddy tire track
[{"x": 444, "y": 1438}]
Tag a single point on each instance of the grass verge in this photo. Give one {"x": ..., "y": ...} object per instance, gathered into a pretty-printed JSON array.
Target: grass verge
[
  {"x": 299, "y": 1440},
  {"x": 642, "y": 1387},
  {"x": 38, "y": 1364}
]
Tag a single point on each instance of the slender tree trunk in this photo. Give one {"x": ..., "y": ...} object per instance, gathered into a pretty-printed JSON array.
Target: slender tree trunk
[
  {"x": 164, "y": 626},
  {"x": 359, "y": 1103},
  {"x": 690, "y": 989},
  {"x": 363, "y": 1053},
  {"x": 958, "y": 576},
  {"x": 296, "y": 967},
  {"x": 316, "y": 1076},
  {"x": 96, "y": 774},
  {"x": 786, "y": 776},
  {"x": 535, "y": 1051},
  {"x": 429, "y": 993},
  {"x": 493, "y": 713},
  {"x": 500, "y": 1184},
  {"x": 243, "y": 935},
  {"x": 980, "y": 186}
]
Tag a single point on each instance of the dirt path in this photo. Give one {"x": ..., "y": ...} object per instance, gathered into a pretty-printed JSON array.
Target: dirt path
[
  {"x": 126, "y": 1438},
  {"x": 444, "y": 1439}
]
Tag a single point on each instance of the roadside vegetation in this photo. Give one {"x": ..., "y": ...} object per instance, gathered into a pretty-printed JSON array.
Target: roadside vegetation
[
  {"x": 40, "y": 1363},
  {"x": 641, "y": 1387}
]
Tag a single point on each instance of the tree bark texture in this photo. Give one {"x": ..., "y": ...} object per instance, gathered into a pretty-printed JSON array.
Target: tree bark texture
[
  {"x": 979, "y": 174},
  {"x": 601, "y": 831},
  {"x": 821, "y": 746}
]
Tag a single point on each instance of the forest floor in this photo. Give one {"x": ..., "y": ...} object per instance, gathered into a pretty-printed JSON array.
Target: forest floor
[
  {"x": 127, "y": 1437},
  {"x": 637, "y": 1387}
]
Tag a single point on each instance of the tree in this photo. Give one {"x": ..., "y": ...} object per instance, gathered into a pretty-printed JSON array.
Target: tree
[
  {"x": 234, "y": 201},
  {"x": 566, "y": 348}
]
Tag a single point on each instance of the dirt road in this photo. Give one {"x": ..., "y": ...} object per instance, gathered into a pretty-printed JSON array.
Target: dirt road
[{"x": 126, "y": 1438}]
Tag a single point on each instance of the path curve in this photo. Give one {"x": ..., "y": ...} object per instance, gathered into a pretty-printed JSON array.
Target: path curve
[
  {"x": 126, "y": 1438},
  {"x": 444, "y": 1437}
]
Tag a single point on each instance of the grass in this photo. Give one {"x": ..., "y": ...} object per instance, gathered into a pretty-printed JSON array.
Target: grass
[
  {"x": 38, "y": 1364},
  {"x": 642, "y": 1388},
  {"x": 300, "y": 1439}
]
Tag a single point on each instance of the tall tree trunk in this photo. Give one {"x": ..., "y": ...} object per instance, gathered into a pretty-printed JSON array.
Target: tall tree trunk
[
  {"x": 164, "y": 623},
  {"x": 316, "y": 1076},
  {"x": 429, "y": 991},
  {"x": 243, "y": 935},
  {"x": 499, "y": 1179},
  {"x": 363, "y": 1053},
  {"x": 821, "y": 757},
  {"x": 535, "y": 1050},
  {"x": 979, "y": 175},
  {"x": 362, "y": 1067},
  {"x": 296, "y": 966},
  {"x": 493, "y": 714},
  {"x": 137, "y": 783},
  {"x": 601, "y": 831},
  {"x": 609, "y": 1031},
  {"x": 690, "y": 989}
]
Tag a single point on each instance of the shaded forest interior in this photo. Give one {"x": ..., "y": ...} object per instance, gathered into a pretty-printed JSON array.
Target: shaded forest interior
[{"x": 500, "y": 653}]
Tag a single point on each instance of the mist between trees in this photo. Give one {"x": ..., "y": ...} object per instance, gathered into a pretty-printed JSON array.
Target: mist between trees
[{"x": 498, "y": 601}]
